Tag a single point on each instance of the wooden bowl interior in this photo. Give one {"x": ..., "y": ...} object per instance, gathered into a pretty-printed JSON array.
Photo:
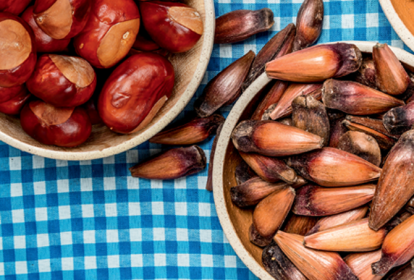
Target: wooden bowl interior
[
  {"x": 405, "y": 10},
  {"x": 185, "y": 65},
  {"x": 241, "y": 219}
]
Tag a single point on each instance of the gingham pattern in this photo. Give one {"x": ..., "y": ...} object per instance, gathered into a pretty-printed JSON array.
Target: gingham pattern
[{"x": 91, "y": 220}]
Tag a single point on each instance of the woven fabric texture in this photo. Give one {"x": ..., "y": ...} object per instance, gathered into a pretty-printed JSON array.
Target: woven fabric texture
[{"x": 92, "y": 220}]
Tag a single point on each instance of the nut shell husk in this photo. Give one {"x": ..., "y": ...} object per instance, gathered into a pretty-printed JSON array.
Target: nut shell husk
[
  {"x": 283, "y": 107},
  {"x": 397, "y": 249},
  {"x": 270, "y": 213},
  {"x": 383, "y": 140},
  {"x": 404, "y": 272},
  {"x": 355, "y": 236},
  {"x": 356, "y": 99},
  {"x": 366, "y": 74},
  {"x": 308, "y": 24},
  {"x": 278, "y": 265},
  {"x": 315, "y": 265},
  {"x": 391, "y": 76},
  {"x": 193, "y": 132},
  {"x": 312, "y": 200},
  {"x": 399, "y": 120},
  {"x": 271, "y": 138},
  {"x": 272, "y": 97},
  {"x": 224, "y": 87},
  {"x": 362, "y": 145},
  {"x": 310, "y": 115},
  {"x": 243, "y": 173},
  {"x": 270, "y": 169},
  {"x": 360, "y": 264},
  {"x": 278, "y": 46},
  {"x": 330, "y": 167},
  {"x": 253, "y": 191},
  {"x": 339, "y": 219},
  {"x": 237, "y": 26},
  {"x": 299, "y": 224},
  {"x": 172, "y": 164},
  {"x": 316, "y": 64},
  {"x": 396, "y": 184}
]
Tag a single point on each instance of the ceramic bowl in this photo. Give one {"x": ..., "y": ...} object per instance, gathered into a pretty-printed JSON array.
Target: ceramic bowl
[
  {"x": 400, "y": 15},
  {"x": 189, "y": 71},
  {"x": 236, "y": 221}
]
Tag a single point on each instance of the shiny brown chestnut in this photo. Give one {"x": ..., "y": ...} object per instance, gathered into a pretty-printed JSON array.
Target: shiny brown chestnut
[
  {"x": 62, "y": 19},
  {"x": 8, "y": 93},
  {"x": 17, "y": 50},
  {"x": 15, "y": 7},
  {"x": 135, "y": 92},
  {"x": 92, "y": 111},
  {"x": 109, "y": 33},
  {"x": 16, "y": 103},
  {"x": 44, "y": 43},
  {"x": 63, "y": 81},
  {"x": 174, "y": 26},
  {"x": 64, "y": 127}
]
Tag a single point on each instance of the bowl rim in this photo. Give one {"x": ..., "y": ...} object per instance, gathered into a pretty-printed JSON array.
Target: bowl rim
[
  {"x": 399, "y": 27},
  {"x": 206, "y": 50},
  {"x": 222, "y": 145}
]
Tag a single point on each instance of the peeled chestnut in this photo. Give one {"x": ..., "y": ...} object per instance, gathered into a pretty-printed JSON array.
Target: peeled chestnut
[
  {"x": 62, "y": 19},
  {"x": 135, "y": 92},
  {"x": 63, "y": 81},
  {"x": 44, "y": 43},
  {"x": 15, "y": 7},
  {"x": 64, "y": 127},
  {"x": 110, "y": 32},
  {"x": 174, "y": 26},
  {"x": 15, "y": 103},
  {"x": 17, "y": 50}
]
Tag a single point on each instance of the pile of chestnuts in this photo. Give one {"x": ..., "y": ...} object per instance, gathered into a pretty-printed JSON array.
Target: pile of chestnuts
[{"x": 66, "y": 65}]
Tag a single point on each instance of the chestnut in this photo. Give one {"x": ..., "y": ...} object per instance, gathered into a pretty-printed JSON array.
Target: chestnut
[
  {"x": 135, "y": 92},
  {"x": 174, "y": 26},
  {"x": 15, "y": 7},
  {"x": 110, "y": 32},
  {"x": 17, "y": 50},
  {"x": 62, "y": 19},
  {"x": 8, "y": 93},
  {"x": 92, "y": 111},
  {"x": 63, "y": 81},
  {"x": 15, "y": 104},
  {"x": 50, "y": 125},
  {"x": 144, "y": 43},
  {"x": 44, "y": 43}
]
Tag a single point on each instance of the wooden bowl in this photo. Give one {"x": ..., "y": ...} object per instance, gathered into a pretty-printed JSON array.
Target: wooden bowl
[
  {"x": 236, "y": 221},
  {"x": 400, "y": 15},
  {"x": 189, "y": 70}
]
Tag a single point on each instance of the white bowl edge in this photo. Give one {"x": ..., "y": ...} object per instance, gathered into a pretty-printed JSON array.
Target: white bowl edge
[
  {"x": 406, "y": 36},
  {"x": 207, "y": 48},
  {"x": 221, "y": 148}
]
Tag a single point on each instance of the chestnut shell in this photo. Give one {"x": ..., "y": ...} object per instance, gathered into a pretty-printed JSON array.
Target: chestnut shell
[
  {"x": 80, "y": 14},
  {"x": 132, "y": 90},
  {"x": 49, "y": 84},
  {"x": 105, "y": 15},
  {"x": 19, "y": 74},
  {"x": 71, "y": 133},
  {"x": 44, "y": 43},
  {"x": 15, "y": 7},
  {"x": 167, "y": 33}
]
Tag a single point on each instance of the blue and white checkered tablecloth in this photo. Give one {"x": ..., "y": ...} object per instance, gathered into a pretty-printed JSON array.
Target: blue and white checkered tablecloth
[{"x": 92, "y": 220}]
